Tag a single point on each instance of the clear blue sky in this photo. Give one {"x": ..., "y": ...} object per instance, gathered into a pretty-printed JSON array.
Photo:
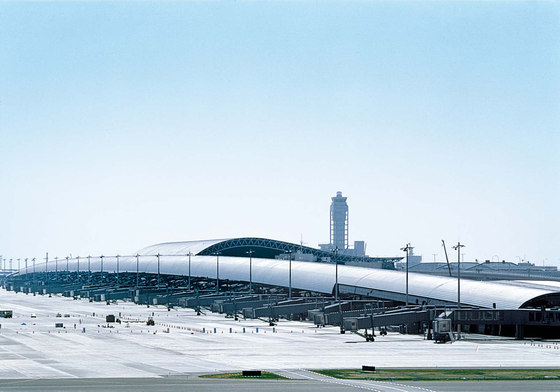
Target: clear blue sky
[{"x": 125, "y": 124}]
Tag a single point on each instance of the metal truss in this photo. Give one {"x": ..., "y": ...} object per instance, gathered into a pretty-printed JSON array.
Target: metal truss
[{"x": 239, "y": 247}]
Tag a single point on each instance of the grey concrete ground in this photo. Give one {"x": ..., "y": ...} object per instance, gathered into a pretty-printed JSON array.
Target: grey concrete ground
[
  {"x": 166, "y": 384},
  {"x": 87, "y": 354},
  {"x": 182, "y": 343},
  {"x": 490, "y": 386},
  {"x": 193, "y": 383}
]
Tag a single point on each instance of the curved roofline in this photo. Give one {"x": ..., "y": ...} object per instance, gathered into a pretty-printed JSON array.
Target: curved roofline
[
  {"x": 320, "y": 277},
  {"x": 192, "y": 241},
  {"x": 174, "y": 258},
  {"x": 261, "y": 248}
]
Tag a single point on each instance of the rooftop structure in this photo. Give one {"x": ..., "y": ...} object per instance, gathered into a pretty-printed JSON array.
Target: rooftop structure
[
  {"x": 229, "y": 260},
  {"x": 488, "y": 270}
]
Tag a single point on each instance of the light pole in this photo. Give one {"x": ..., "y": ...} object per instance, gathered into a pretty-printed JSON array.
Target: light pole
[
  {"x": 189, "y": 281},
  {"x": 33, "y": 259},
  {"x": 78, "y": 263},
  {"x": 335, "y": 251},
  {"x": 217, "y": 271},
  {"x": 89, "y": 268},
  {"x": 67, "y": 268},
  {"x": 118, "y": 270},
  {"x": 137, "y": 268},
  {"x": 458, "y": 248},
  {"x": 101, "y": 257},
  {"x": 406, "y": 249},
  {"x": 158, "y": 276},
  {"x": 26, "y": 266},
  {"x": 250, "y": 252},
  {"x": 289, "y": 252}
]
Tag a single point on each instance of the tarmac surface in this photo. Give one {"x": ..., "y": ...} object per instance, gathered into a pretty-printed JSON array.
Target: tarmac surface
[
  {"x": 195, "y": 384},
  {"x": 35, "y": 355}
]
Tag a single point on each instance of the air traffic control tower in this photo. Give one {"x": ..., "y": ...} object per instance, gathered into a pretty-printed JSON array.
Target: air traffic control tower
[
  {"x": 339, "y": 222},
  {"x": 339, "y": 230}
]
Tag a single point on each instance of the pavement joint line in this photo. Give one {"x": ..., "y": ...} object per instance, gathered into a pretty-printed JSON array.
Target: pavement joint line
[
  {"x": 333, "y": 380},
  {"x": 409, "y": 386},
  {"x": 374, "y": 381}
]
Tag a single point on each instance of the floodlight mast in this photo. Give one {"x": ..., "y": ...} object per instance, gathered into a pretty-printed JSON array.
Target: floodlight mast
[
  {"x": 118, "y": 270},
  {"x": 335, "y": 251},
  {"x": 89, "y": 268},
  {"x": 217, "y": 271},
  {"x": 190, "y": 254},
  {"x": 289, "y": 252},
  {"x": 458, "y": 248},
  {"x": 406, "y": 249},
  {"x": 250, "y": 252},
  {"x": 158, "y": 273},
  {"x": 137, "y": 269}
]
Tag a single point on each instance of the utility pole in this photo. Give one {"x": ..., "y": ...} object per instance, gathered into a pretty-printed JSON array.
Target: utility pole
[
  {"x": 217, "y": 271},
  {"x": 458, "y": 248},
  {"x": 406, "y": 249},
  {"x": 89, "y": 268},
  {"x": 190, "y": 254},
  {"x": 158, "y": 275},
  {"x": 118, "y": 270},
  {"x": 335, "y": 251},
  {"x": 137, "y": 269},
  {"x": 250, "y": 252},
  {"x": 289, "y": 252}
]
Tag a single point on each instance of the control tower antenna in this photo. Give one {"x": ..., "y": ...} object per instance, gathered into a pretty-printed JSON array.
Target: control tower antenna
[{"x": 301, "y": 243}]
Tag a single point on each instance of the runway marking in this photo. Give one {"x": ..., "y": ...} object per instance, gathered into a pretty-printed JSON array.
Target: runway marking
[{"x": 369, "y": 383}]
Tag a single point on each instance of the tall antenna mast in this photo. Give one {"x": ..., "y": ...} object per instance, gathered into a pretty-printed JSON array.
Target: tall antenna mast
[{"x": 446, "y": 258}]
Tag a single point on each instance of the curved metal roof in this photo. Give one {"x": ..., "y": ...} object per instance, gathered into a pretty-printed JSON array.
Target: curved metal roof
[
  {"x": 319, "y": 277},
  {"x": 260, "y": 247},
  {"x": 179, "y": 248}
]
